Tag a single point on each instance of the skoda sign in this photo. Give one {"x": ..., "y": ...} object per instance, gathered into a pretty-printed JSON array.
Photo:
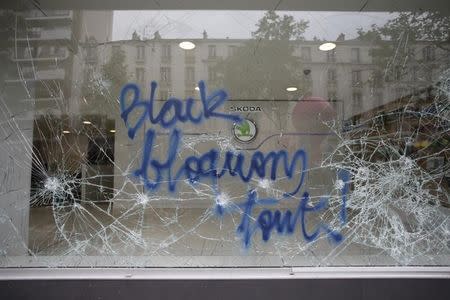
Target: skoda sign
[{"x": 245, "y": 131}]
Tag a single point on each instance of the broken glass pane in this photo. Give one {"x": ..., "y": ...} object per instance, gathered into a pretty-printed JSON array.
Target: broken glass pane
[{"x": 224, "y": 138}]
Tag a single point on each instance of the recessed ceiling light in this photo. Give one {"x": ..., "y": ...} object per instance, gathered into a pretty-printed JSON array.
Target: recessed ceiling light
[
  {"x": 291, "y": 89},
  {"x": 87, "y": 122},
  {"x": 327, "y": 46},
  {"x": 66, "y": 131},
  {"x": 112, "y": 130},
  {"x": 197, "y": 88},
  {"x": 186, "y": 45}
]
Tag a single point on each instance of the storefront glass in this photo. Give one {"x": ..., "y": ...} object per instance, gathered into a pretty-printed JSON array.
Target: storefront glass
[{"x": 212, "y": 138}]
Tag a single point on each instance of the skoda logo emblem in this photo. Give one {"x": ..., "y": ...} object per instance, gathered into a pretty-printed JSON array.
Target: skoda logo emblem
[{"x": 245, "y": 131}]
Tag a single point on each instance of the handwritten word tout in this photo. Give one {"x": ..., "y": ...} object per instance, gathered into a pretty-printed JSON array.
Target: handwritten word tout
[{"x": 269, "y": 221}]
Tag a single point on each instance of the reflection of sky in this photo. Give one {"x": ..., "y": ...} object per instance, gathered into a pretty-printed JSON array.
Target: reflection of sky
[{"x": 236, "y": 24}]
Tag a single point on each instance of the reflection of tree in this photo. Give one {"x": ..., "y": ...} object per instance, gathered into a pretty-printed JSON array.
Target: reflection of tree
[
  {"x": 104, "y": 86},
  {"x": 394, "y": 41},
  {"x": 114, "y": 72},
  {"x": 265, "y": 65},
  {"x": 415, "y": 123},
  {"x": 428, "y": 26}
]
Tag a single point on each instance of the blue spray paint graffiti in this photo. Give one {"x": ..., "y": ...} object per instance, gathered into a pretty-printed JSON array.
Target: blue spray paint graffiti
[
  {"x": 269, "y": 221},
  {"x": 207, "y": 166},
  {"x": 210, "y": 103}
]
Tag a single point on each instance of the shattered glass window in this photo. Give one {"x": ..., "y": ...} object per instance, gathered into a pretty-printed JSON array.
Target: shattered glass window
[{"x": 237, "y": 138}]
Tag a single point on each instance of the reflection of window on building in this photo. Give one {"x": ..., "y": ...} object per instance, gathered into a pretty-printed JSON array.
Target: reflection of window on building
[
  {"x": 398, "y": 73},
  {"x": 89, "y": 73},
  {"x": 428, "y": 74},
  {"x": 60, "y": 51},
  {"x": 356, "y": 120},
  {"x": 332, "y": 96},
  {"x": 400, "y": 92},
  {"x": 332, "y": 76},
  {"x": 378, "y": 98},
  {"x": 232, "y": 50},
  {"x": 356, "y": 78},
  {"x": 165, "y": 74},
  {"x": 414, "y": 72},
  {"x": 34, "y": 32},
  {"x": 28, "y": 72},
  {"x": 331, "y": 56},
  {"x": 163, "y": 94},
  {"x": 355, "y": 55},
  {"x": 166, "y": 51},
  {"x": 115, "y": 49},
  {"x": 43, "y": 90},
  {"x": 212, "y": 74},
  {"x": 91, "y": 53},
  {"x": 306, "y": 53},
  {"x": 307, "y": 82},
  {"x": 189, "y": 56},
  {"x": 377, "y": 79},
  {"x": 428, "y": 53},
  {"x": 189, "y": 53},
  {"x": 212, "y": 51},
  {"x": 411, "y": 53},
  {"x": 189, "y": 93},
  {"x": 140, "y": 53},
  {"x": 26, "y": 52},
  {"x": 140, "y": 75},
  {"x": 190, "y": 74},
  {"x": 388, "y": 77},
  {"x": 357, "y": 101},
  {"x": 42, "y": 51}
]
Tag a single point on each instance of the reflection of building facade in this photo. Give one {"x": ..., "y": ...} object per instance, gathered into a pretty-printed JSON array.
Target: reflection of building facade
[
  {"x": 42, "y": 58},
  {"x": 39, "y": 59},
  {"x": 44, "y": 46},
  {"x": 346, "y": 74}
]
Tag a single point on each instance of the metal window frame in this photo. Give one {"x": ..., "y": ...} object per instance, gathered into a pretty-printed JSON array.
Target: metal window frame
[{"x": 223, "y": 273}]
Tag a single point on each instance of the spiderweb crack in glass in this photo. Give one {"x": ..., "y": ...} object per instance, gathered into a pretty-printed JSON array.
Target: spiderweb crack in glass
[{"x": 68, "y": 197}]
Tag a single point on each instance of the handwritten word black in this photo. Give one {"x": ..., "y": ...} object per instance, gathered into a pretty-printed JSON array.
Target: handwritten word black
[{"x": 173, "y": 110}]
